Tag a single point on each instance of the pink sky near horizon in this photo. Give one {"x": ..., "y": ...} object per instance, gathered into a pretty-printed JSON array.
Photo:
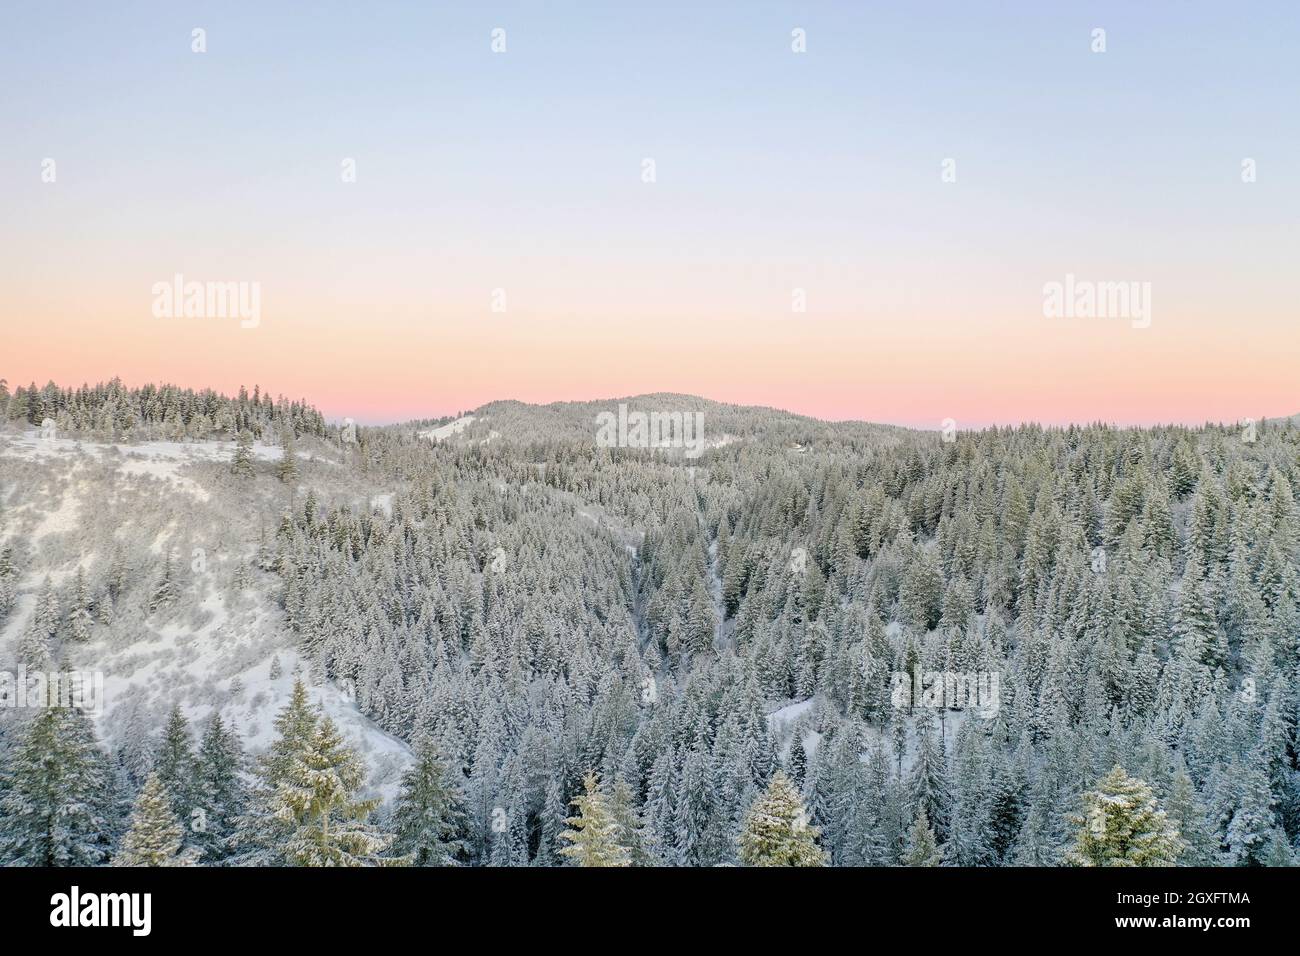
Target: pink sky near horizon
[{"x": 892, "y": 366}]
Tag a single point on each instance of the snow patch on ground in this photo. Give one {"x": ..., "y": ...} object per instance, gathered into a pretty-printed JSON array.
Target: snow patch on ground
[
  {"x": 166, "y": 470},
  {"x": 62, "y": 519},
  {"x": 785, "y": 720},
  {"x": 32, "y": 446},
  {"x": 443, "y": 432}
]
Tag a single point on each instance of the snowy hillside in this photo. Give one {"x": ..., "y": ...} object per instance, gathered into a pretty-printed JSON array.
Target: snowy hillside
[{"x": 69, "y": 505}]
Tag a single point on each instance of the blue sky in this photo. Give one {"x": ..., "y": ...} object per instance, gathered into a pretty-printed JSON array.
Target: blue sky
[{"x": 774, "y": 169}]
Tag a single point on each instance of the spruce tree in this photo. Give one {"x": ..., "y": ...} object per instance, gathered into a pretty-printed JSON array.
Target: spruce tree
[
  {"x": 430, "y": 815},
  {"x": 165, "y": 591},
  {"x": 80, "y": 619},
  {"x": 316, "y": 800},
  {"x": 594, "y": 833},
  {"x": 219, "y": 794},
  {"x": 1250, "y": 830},
  {"x": 155, "y": 835},
  {"x": 776, "y": 831},
  {"x": 56, "y": 794},
  {"x": 260, "y": 833},
  {"x": 622, "y": 806},
  {"x": 798, "y": 762},
  {"x": 294, "y": 726},
  {"x": 929, "y": 782},
  {"x": 174, "y": 764},
  {"x": 241, "y": 465},
  {"x": 287, "y": 467},
  {"x": 922, "y": 848},
  {"x": 1123, "y": 825},
  {"x": 35, "y": 641},
  {"x": 1187, "y": 815}
]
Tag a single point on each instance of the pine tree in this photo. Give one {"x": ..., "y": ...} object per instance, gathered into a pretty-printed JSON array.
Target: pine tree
[
  {"x": 241, "y": 465},
  {"x": 798, "y": 762},
  {"x": 219, "y": 794},
  {"x": 174, "y": 764},
  {"x": 1187, "y": 815},
  {"x": 430, "y": 815},
  {"x": 929, "y": 782},
  {"x": 8, "y": 595},
  {"x": 294, "y": 726},
  {"x": 316, "y": 800},
  {"x": 80, "y": 619},
  {"x": 776, "y": 832},
  {"x": 155, "y": 835},
  {"x": 165, "y": 591},
  {"x": 287, "y": 467},
  {"x": 34, "y": 643},
  {"x": 56, "y": 794},
  {"x": 694, "y": 811},
  {"x": 622, "y": 807},
  {"x": 1251, "y": 828},
  {"x": 1279, "y": 851},
  {"x": 922, "y": 848},
  {"x": 594, "y": 833},
  {"x": 1123, "y": 825},
  {"x": 261, "y": 833}
]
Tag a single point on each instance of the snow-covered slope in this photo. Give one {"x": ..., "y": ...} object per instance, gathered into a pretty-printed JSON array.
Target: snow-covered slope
[{"x": 68, "y": 505}]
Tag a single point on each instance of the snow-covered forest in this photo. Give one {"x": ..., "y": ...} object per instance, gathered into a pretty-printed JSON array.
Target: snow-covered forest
[{"x": 489, "y": 641}]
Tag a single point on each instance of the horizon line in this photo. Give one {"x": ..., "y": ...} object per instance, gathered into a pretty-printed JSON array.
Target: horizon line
[{"x": 337, "y": 419}]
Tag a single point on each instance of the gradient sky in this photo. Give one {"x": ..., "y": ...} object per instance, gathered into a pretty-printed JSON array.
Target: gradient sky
[{"x": 776, "y": 171}]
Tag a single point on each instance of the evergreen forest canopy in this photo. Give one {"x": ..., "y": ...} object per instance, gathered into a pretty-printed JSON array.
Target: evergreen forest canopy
[{"x": 615, "y": 656}]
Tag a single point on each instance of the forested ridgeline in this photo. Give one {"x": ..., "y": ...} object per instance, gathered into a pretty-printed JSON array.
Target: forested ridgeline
[
  {"x": 112, "y": 412},
  {"x": 705, "y": 653}
]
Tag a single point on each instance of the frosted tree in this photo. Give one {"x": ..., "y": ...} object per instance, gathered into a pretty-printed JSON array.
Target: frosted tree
[
  {"x": 660, "y": 809},
  {"x": 776, "y": 831},
  {"x": 798, "y": 762},
  {"x": 34, "y": 642},
  {"x": 174, "y": 764},
  {"x": 922, "y": 847},
  {"x": 294, "y": 726},
  {"x": 241, "y": 465},
  {"x": 694, "y": 812},
  {"x": 622, "y": 806},
  {"x": 315, "y": 799},
  {"x": 1187, "y": 814},
  {"x": 430, "y": 815},
  {"x": 155, "y": 835},
  {"x": 260, "y": 832},
  {"x": 286, "y": 468},
  {"x": 8, "y": 586},
  {"x": 928, "y": 786},
  {"x": 80, "y": 620},
  {"x": 1122, "y": 825},
  {"x": 166, "y": 590},
  {"x": 593, "y": 833},
  {"x": 219, "y": 794},
  {"x": 56, "y": 794},
  {"x": 1250, "y": 830},
  {"x": 1033, "y": 844},
  {"x": 1279, "y": 852}
]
